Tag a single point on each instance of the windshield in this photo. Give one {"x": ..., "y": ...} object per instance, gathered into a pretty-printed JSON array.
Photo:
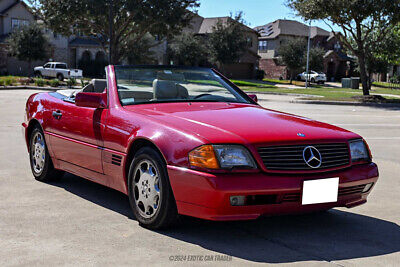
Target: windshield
[{"x": 141, "y": 85}]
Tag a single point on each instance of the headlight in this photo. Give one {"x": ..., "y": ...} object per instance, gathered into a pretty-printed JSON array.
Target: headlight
[
  {"x": 221, "y": 157},
  {"x": 359, "y": 151}
]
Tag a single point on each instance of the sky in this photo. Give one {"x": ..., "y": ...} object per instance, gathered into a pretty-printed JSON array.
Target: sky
[{"x": 256, "y": 12}]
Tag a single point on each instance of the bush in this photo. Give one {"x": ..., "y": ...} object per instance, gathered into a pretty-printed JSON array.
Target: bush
[
  {"x": 260, "y": 74},
  {"x": 71, "y": 82},
  {"x": 1, "y": 82},
  {"x": 84, "y": 83},
  {"x": 54, "y": 83},
  {"x": 395, "y": 79},
  {"x": 40, "y": 82},
  {"x": 9, "y": 81}
]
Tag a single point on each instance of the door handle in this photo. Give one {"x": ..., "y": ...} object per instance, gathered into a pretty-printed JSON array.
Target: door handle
[{"x": 57, "y": 114}]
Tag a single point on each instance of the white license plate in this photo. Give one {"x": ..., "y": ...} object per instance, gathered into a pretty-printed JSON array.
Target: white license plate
[{"x": 320, "y": 191}]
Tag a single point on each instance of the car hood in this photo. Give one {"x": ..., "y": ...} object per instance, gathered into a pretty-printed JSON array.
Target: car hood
[{"x": 241, "y": 123}]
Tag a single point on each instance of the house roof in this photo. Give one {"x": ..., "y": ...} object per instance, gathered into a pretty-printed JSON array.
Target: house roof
[
  {"x": 289, "y": 27},
  {"x": 14, "y": 4},
  {"x": 82, "y": 41},
  {"x": 208, "y": 24}
]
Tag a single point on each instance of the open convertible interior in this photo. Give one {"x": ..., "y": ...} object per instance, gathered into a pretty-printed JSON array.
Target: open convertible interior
[{"x": 142, "y": 85}]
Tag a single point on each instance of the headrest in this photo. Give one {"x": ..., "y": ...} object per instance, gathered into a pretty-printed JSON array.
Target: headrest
[
  {"x": 169, "y": 90},
  {"x": 99, "y": 85}
]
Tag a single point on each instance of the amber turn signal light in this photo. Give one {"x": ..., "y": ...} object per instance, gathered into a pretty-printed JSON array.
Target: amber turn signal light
[{"x": 203, "y": 157}]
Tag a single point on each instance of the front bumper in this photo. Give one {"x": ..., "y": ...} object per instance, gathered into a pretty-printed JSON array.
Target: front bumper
[{"x": 207, "y": 196}]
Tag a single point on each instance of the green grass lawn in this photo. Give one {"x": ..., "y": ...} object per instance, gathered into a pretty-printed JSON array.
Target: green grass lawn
[
  {"x": 277, "y": 81},
  {"x": 241, "y": 83},
  {"x": 386, "y": 85}
]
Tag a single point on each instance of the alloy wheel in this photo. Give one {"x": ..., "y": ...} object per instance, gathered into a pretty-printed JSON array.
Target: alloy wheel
[{"x": 146, "y": 188}]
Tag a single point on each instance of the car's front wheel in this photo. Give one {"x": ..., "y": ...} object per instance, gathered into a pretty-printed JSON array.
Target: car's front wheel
[
  {"x": 41, "y": 164},
  {"x": 150, "y": 193}
]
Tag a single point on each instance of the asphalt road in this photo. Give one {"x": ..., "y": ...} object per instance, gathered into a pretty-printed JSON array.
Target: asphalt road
[{"x": 76, "y": 222}]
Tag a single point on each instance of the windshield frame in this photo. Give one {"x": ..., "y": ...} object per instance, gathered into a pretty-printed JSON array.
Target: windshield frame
[{"x": 228, "y": 83}]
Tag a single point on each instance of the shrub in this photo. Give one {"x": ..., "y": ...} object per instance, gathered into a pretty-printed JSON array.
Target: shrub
[
  {"x": 9, "y": 81},
  {"x": 71, "y": 82},
  {"x": 54, "y": 83},
  {"x": 40, "y": 82},
  {"x": 84, "y": 83},
  {"x": 1, "y": 82}
]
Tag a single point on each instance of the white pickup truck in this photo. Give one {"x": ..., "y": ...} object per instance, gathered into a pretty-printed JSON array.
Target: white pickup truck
[{"x": 57, "y": 70}]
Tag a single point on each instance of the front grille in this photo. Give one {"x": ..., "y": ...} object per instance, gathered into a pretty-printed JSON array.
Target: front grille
[{"x": 290, "y": 158}]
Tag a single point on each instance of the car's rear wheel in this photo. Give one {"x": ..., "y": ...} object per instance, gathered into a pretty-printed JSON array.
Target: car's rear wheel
[
  {"x": 60, "y": 77},
  {"x": 41, "y": 164},
  {"x": 313, "y": 80},
  {"x": 150, "y": 193}
]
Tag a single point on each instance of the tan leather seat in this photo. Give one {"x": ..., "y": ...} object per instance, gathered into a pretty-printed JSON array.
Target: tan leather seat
[{"x": 169, "y": 90}]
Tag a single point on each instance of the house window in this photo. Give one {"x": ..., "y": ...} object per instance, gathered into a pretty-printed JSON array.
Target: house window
[
  {"x": 263, "y": 45},
  {"x": 16, "y": 23}
]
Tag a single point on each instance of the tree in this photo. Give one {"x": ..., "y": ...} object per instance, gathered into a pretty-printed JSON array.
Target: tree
[
  {"x": 141, "y": 52},
  {"x": 358, "y": 19},
  {"x": 112, "y": 23},
  {"x": 28, "y": 44},
  {"x": 189, "y": 50},
  {"x": 228, "y": 40},
  {"x": 292, "y": 55},
  {"x": 316, "y": 58}
]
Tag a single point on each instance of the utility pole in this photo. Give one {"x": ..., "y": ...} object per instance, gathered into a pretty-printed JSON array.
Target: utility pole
[
  {"x": 110, "y": 31},
  {"x": 308, "y": 55}
]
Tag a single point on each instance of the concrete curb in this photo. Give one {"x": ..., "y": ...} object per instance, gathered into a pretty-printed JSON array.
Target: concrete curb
[
  {"x": 344, "y": 103},
  {"x": 272, "y": 93}
]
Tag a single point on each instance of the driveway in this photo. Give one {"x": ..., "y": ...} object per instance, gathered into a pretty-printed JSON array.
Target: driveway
[{"x": 76, "y": 222}]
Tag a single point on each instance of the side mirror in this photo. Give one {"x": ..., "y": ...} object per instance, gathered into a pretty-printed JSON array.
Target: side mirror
[
  {"x": 91, "y": 100},
  {"x": 254, "y": 98}
]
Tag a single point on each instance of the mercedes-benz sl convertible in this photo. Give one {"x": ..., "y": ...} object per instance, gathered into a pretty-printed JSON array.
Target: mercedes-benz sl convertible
[{"x": 180, "y": 140}]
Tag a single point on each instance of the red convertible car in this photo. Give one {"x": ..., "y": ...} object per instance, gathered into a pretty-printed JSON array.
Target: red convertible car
[{"x": 181, "y": 140}]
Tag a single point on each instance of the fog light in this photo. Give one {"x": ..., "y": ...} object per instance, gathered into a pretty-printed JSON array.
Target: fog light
[
  {"x": 367, "y": 187},
  {"x": 238, "y": 200}
]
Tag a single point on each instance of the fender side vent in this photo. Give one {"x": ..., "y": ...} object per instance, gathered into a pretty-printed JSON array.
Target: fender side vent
[{"x": 116, "y": 159}]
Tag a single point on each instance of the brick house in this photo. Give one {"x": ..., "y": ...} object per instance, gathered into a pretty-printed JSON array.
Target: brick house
[
  {"x": 272, "y": 35},
  {"x": 200, "y": 26},
  {"x": 14, "y": 14}
]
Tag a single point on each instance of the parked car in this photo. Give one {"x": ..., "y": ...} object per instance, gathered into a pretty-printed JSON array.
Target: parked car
[
  {"x": 57, "y": 70},
  {"x": 313, "y": 76},
  {"x": 185, "y": 140}
]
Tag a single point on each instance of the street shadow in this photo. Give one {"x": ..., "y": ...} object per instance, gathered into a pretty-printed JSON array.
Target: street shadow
[{"x": 328, "y": 236}]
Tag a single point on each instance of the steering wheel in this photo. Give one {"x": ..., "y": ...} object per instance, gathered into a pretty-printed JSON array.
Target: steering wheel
[{"x": 199, "y": 96}]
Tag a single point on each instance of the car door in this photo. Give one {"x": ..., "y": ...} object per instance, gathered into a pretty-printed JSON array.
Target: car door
[
  {"x": 76, "y": 135},
  {"x": 52, "y": 71},
  {"x": 46, "y": 69}
]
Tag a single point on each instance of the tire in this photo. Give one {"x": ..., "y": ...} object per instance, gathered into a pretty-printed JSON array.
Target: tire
[
  {"x": 150, "y": 193},
  {"x": 41, "y": 164},
  {"x": 38, "y": 74},
  {"x": 60, "y": 77},
  {"x": 313, "y": 80}
]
